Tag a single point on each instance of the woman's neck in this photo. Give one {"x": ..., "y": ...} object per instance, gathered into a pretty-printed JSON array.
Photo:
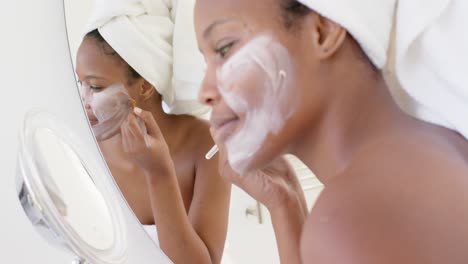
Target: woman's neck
[
  {"x": 355, "y": 115},
  {"x": 165, "y": 121}
]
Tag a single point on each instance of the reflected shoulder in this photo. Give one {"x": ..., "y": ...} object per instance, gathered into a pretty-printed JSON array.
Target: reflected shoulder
[{"x": 196, "y": 134}]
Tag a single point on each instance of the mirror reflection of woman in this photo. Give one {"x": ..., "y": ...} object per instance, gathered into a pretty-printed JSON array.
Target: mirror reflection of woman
[
  {"x": 160, "y": 166},
  {"x": 304, "y": 77}
]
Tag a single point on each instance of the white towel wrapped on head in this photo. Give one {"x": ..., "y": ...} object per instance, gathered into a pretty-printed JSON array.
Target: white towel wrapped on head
[
  {"x": 431, "y": 49},
  {"x": 368, "y": 21},
  {"x": 157, "y": 39},
  {"x": 432, "y": 59}
]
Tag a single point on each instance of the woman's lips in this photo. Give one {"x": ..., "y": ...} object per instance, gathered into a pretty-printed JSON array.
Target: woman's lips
[
  {"x": 92, "y": 119},
  {"x": 93, "y": 122},
  {"x": 221, "y": 131}
]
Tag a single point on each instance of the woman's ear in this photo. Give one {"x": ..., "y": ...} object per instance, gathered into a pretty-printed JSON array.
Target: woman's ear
[
  {"x": 327, "y": 36},
  {"x": 146, "y": 90}
]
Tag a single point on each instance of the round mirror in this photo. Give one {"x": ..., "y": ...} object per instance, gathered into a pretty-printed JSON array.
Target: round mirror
[
  {"x": 72, "y": 191},
  {"x": 60, "y": 197}
]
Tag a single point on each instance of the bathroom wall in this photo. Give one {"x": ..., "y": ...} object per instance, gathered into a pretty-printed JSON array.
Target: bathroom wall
[
  {"x": 28, "y": 28},
  {"x": 77, "y": 15}
]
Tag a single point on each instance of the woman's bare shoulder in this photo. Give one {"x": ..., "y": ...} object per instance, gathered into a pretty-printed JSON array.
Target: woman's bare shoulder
[
  {"x": 418, "y": 163},
  {"x": 418, "y": 156},
  {"x": 195, "y": 132},
  {"x": 392, "y": 205}
]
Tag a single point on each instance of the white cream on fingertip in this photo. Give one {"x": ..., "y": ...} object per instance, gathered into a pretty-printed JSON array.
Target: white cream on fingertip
[
  {"x": 212, "y": 152},
  {"x": 137, "y": 111}
]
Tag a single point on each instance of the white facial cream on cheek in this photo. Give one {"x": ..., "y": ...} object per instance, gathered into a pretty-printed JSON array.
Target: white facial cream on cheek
[
  {"x": 111, "y": 107},
  {"x": 257, "y": 82}
]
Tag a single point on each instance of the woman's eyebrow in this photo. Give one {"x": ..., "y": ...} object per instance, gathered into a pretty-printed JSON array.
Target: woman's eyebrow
[
  {"x": 215, "y": 24},
  {"x": 93, "y": 77}
]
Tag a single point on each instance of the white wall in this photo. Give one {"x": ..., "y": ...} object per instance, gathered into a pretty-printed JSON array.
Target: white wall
[
  {"x": 77, "y": 14},
  {"x": 26, "y": 49},
  {"x": 27, "y": 27}
]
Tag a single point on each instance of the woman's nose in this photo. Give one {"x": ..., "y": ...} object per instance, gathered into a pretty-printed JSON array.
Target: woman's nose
[
  {"x": 209, "y": 93},
  {"x": 85, "y": 92}
]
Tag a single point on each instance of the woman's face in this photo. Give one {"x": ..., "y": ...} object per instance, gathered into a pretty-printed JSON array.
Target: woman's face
[
  {"x": 105, "y": 87},
  {"x": 255, "y": 71}
]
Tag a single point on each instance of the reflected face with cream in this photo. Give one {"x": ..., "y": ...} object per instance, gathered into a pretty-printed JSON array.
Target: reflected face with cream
[
  {"x": 110, "y": 107},
  {"x": 105, "y": 87},
  {"x": 250, "y": 83}
]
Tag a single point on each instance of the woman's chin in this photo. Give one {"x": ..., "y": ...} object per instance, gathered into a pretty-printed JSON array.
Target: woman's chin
[
  {"x": 100, "y": 137},
  {"x": 246, "y": 165},
  {"x": 241, "y": 168},
  {"x": 244, "y": 158}
]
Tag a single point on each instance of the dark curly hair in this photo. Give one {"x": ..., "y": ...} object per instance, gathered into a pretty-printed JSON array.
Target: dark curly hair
[{"x": 292, "y": 12}]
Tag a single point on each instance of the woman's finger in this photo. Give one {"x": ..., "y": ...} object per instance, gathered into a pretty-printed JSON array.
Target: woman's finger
[
  {"x": 130, "y": 137},
  {"x": 135, "y": 140},
  {"x": 223, "y": 162},
  {"x": 151, "y": 125},
  {"x": 123, "y": 132},
  {"x": 212, "y": 132},
  {"x": 225, "y": 167},
  {"x": 134, "y": 127}
]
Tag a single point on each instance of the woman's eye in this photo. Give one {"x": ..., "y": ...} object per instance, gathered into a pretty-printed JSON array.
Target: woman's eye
[
  {"x": 95, "y": 88},
  {"x": 224, "y": 50}
]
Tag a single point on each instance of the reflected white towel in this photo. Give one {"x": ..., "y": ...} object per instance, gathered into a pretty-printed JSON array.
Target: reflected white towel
[
  {"x": 432, "y": 59},
  {"x": 157, "y": 39},
  {"x": 368, "y": 21}
]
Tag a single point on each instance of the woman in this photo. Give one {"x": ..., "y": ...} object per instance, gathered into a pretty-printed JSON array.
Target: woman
[
  {"x": 282, "y": 77},
  {"x": 157, "y": 159}
]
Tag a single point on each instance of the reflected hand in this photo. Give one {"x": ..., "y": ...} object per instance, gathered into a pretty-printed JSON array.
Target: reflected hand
[
  {"x": 143, "y": 141},
  {"x": 274, "y": 186}
]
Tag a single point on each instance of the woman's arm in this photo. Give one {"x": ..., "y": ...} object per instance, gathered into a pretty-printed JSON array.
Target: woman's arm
[
  {"x": 277, "y": 187},
  {"x": 209, "y": 211},
  {"x": 288, "y": 221},
  {"x": 199, "y": 236},
  {"x": 288, "y": 218}
]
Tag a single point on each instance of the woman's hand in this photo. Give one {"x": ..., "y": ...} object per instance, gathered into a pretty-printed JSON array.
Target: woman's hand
[
  {"x": 143, "y": 141},
  {"x": 275, "y": 186}
]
